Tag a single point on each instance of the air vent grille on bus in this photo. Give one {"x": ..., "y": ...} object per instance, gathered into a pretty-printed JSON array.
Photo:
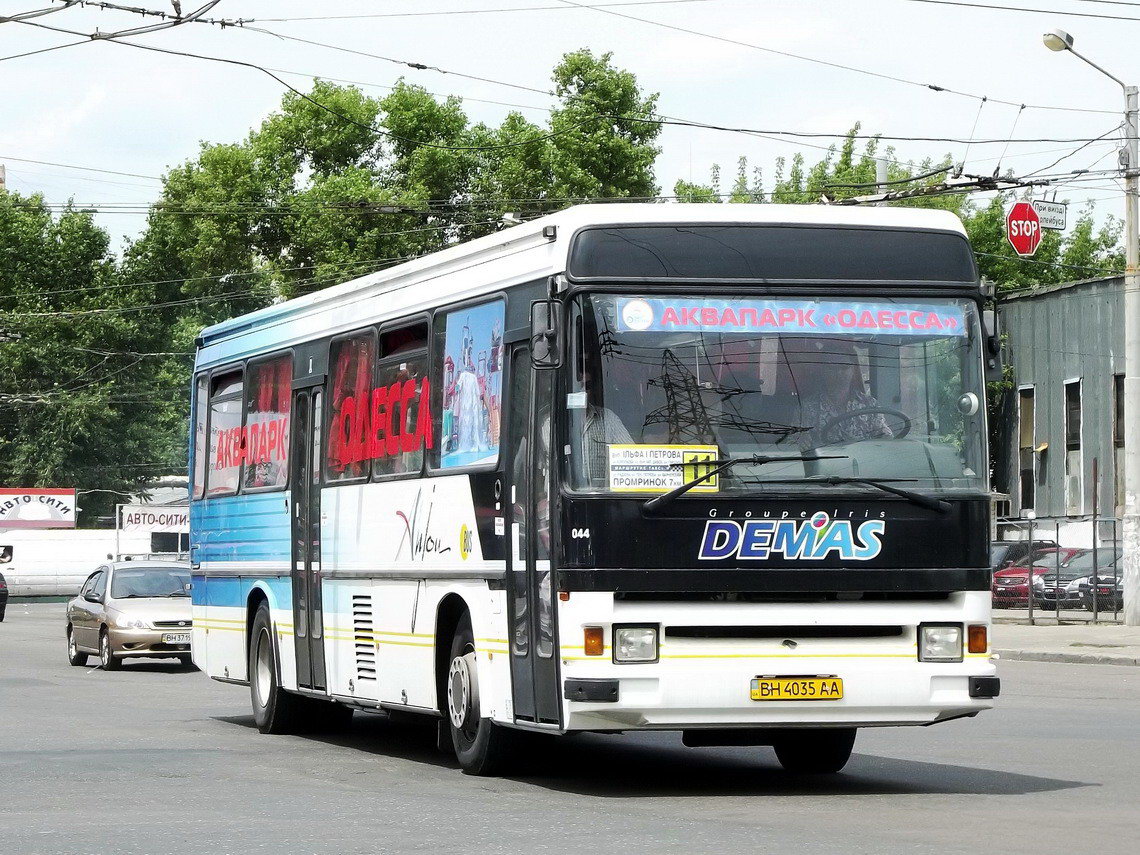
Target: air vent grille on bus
[{"x": 363, "y": 637}]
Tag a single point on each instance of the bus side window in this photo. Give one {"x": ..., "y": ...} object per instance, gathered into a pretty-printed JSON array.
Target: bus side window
[
  {"x": 227, "y": 443},
  {"x": 348, "y": 450},
  {"x": 201, "y": 399},
  {"x": 399, "y": 432},
  {"x": 268, "y": 401},
  {"x": 468, "y": 368}
]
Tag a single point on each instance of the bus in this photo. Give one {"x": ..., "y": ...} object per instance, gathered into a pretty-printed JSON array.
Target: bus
[{"x": 716, "y": 469}]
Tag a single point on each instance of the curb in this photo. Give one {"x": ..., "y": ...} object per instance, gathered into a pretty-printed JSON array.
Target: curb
[{"x": 1071, "y": 658}]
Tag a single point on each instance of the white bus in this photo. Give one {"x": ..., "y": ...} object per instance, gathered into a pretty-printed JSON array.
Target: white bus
[{"x": 718, "y": 469}]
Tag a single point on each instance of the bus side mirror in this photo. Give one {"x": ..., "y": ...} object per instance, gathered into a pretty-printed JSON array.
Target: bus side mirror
[
  {"x": 992, "y": 353},
  {"x": 546, "y": 334}
]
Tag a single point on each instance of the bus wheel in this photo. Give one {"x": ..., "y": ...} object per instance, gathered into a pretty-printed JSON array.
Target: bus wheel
[
  {"x": 815, "y": 752},
  {"x": 274, "y": 709},
  {"x": 481, "y": 746}
]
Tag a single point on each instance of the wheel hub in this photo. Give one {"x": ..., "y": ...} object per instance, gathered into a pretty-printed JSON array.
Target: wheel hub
[
  {"x": 264, "y": 677},
  {"x": 462, "y": 690}
]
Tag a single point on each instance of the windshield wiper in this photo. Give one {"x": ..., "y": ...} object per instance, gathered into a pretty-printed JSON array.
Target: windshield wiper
[
  {"x": 884, "y": 484},
  {"x": 722, "y": 465}
]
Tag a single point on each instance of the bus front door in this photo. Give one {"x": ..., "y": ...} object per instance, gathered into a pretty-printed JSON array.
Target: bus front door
[
  {"x": 305, "y": 478},
  {"x": 534, "y": 663}
]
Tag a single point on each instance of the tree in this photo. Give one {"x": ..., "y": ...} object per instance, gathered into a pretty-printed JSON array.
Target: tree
[{"x": 81, "y": 399}]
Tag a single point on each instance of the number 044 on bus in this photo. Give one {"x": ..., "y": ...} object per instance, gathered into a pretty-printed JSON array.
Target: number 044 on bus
[{"x": 717, "y": 469}]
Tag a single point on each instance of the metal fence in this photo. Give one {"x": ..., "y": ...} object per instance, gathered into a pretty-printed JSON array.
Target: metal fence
[{"x": 1071, "y": 569}]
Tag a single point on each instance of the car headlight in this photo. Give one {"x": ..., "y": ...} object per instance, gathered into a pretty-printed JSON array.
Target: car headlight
[
  {"x": 123, "y": 622},
  {"x": 940, "y": 643},
  {"x": 635, "y": 644}
]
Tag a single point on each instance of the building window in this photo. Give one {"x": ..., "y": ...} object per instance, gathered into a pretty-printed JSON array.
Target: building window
[
  {"x": 1026, "y": 417},
  {"x": 350, "y": 400},
  {"x": 267, "y": 405},
  {"x": 469, "y": 366},
  {"x": 226, "y": 442},
  {"x": 169, "y": 542},
  {"x": 1074, "y": 480}
]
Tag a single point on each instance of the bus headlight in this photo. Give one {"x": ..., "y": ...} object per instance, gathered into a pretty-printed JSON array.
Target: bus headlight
[
  {"x": 635, "y": 644},
  {"x": 940, "y": 642}
]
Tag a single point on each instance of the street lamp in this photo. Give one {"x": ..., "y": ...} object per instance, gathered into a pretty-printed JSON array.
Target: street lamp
[{"x": 1059, "y": 40}]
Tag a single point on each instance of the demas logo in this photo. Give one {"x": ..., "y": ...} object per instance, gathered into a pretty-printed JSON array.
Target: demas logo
[{"x": 812, "y": 539}]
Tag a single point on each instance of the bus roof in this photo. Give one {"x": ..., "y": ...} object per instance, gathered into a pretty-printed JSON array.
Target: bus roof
[{"x": 523, "y": 253}]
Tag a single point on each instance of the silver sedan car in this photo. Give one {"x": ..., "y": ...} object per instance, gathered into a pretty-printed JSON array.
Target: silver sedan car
[{"x": 131, "y": 608}]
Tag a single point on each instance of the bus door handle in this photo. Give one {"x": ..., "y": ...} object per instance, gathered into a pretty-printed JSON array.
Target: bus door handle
[{"x": 194, "y": 562}]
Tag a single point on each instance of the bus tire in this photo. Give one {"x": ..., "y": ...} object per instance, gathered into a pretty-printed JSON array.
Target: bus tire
[
  {"x": 274, "y": 709},
  {"x": 815, "y": 751},
  {"x": 481, "y": 746}
]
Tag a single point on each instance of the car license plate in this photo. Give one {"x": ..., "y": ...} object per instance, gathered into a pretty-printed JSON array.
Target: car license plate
[
  {"x": 797, "y": 689},
  {"x": 1001, "y": 590},
  {"x": 176, "y": 638}
]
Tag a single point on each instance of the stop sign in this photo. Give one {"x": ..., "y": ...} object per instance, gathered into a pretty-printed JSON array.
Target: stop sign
[{"x": 1023, "y": 228}]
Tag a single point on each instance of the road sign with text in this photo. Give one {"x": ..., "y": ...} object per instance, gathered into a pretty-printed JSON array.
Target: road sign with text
[
  {"x": 1051, "y": 214},
  {"x": 1023, "y": 228}
]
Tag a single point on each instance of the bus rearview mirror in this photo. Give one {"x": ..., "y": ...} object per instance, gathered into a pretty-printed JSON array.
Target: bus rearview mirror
[
  {"x": 992, "y": 331},
  {"x": 546, "y": 334}
]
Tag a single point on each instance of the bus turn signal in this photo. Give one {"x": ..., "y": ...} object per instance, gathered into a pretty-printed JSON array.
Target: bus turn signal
[
  {"x": 977, "y": 639},
  {"x": 595, "y": 641}
]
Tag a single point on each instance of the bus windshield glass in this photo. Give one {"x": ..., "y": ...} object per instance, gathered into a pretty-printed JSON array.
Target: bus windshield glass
[{"x": 875, "y": 387}]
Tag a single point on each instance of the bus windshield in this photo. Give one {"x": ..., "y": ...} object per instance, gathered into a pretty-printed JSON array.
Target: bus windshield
[{"x": 876, "y": 387}]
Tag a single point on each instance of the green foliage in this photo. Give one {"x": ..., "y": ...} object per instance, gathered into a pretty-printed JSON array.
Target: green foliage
[{"x": 78, "y": 405}]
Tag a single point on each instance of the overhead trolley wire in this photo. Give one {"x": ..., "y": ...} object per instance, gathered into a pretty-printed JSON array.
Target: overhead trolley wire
[
  {"x": 1002, "y": 8},
  {"x": 826, "y": 62}
]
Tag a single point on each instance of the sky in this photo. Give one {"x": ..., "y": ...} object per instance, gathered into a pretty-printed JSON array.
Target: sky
[{"x": 113, "y": 107}]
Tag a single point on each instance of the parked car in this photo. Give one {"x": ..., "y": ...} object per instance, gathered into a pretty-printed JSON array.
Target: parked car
[
  {"x": 131, "y": 608},
  {"x": 3, "y": 596},
  {"x": 1010, "y": 553},
  {"x": 1011, "y": 586},
  {"x": 1051, "y": 590},
  {"x": 1109, "y": 592}
]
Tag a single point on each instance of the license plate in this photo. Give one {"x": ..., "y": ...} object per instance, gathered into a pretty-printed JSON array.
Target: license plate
[
  {"x": 797, "y": 689},
  {"x": 1001, "y": 590},
  {"x": 176, "y": 638}
]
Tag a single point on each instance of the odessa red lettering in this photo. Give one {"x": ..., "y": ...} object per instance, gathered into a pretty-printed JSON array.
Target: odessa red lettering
[{"x": 370, "y": 426}]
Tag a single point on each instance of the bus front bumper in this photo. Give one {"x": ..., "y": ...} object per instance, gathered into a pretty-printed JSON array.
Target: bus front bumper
[{"x": 716, "y": 694}]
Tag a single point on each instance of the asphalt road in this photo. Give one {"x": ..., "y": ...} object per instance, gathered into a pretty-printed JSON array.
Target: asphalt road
[{"x": 158, "y": 759}]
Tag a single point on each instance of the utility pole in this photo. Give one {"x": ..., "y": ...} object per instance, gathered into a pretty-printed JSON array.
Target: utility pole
[
  {"x": 1130, "y": 162},
  {"x": 881, "y": 177},
  {"x": 1059, "y": 40}
]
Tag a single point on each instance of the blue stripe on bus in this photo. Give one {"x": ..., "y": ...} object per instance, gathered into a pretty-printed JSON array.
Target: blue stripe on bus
[
  {"x": 241, "y": 528},
  {"x": 233, "y": 591}
]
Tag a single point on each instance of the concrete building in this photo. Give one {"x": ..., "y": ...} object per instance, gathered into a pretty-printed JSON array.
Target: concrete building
[{"x": 1064, "y": 415}]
